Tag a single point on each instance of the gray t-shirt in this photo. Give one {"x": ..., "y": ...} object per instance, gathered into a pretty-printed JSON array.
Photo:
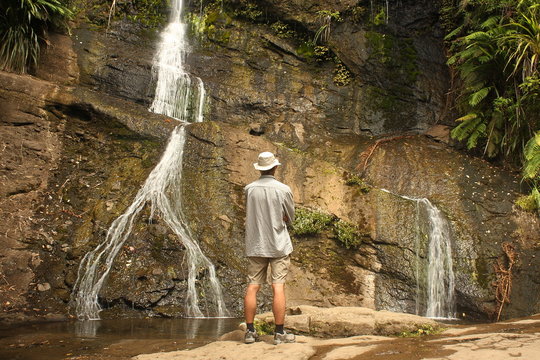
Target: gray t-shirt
[{"x": 268, "y": 202}]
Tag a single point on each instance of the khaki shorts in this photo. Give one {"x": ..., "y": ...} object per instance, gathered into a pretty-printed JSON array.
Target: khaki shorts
[{"x": 258, "y": 269}]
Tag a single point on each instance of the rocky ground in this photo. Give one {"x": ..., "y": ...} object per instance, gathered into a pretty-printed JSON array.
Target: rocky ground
[
  {"x": 511, "y": 339},
  {"x": 322, "y": 334}
]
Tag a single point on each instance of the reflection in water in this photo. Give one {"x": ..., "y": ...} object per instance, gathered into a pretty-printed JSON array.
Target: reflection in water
[
  {"x": 188, "y": 328},
  {"x": 87, "y": 328},
  {"x": 192, "y": 328},
  {"x": 92, "y": 339}
]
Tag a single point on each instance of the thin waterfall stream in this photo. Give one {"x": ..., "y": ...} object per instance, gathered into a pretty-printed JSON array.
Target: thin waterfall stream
[
  {"x": 162, "y": 190},
  {"x": 440, "y": 275}
]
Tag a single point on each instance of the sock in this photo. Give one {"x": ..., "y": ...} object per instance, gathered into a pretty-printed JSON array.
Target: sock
[
  {"x": 279, "y": 329},
  {"x": 250, "y": 327}
]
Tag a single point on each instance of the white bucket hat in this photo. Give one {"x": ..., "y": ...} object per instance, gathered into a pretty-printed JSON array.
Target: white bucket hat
[{"x": 266, "y": 161}]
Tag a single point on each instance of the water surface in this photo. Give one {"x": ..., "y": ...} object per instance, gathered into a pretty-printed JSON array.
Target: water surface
[{"x": 111, "y": 339}]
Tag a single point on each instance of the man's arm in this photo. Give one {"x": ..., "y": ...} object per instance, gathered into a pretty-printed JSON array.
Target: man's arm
[{"x": 288, "y": 208}]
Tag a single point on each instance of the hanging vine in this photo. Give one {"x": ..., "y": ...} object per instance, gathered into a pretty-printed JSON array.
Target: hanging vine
[{"x": 503, "y": 283}]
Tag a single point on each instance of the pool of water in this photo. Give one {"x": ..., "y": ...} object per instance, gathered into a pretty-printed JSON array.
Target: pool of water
[{"x": 111, "y": 339}]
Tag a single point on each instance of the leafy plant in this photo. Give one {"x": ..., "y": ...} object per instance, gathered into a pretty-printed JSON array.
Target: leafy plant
[
  {"x": 23, "y": 28},
  {"x": 342, "y": 75},
  {"x": 249, "y": 10},
  {"x": 325, "y": 17},
  {"x": 282, "y": 30},
  {"x": 310, "y": 222},
  {"x": 495, "y": 51},
  {"x": 347, "y": 234}
]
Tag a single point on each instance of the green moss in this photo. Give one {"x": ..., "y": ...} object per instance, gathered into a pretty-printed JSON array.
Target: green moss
[
  {"x": 398, "y": 55},
  {"x": 355, "y": 180},
  {"x": 422, "y": 330},
  {"x": 527, "y": 203},
  {"x": 481, "y": 274},
  {"x": 211, "y": 24}
]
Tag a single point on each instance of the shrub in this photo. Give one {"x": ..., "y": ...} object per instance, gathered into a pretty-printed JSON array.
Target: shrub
[
  {"x": 308, "y": 222},
  {"x": 23, "y": 28},
  {"x": 347, "y": 234}
]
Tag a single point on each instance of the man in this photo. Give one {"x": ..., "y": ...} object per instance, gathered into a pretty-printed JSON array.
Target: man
[{"x": 269, "y": 208}]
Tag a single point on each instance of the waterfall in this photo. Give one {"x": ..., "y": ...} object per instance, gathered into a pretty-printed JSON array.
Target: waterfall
[
  {"x": 440, "y": 274},
  {"x": 162, "y": 189}
]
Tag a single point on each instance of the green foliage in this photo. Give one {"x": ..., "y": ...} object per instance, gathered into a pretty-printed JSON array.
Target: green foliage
[
  {"x": 149, "y": 13},
  {"x": 248, "y": 10},
  {"x": 263, "y": 328},
  {"x": 211, "y": 22},
  {"x": 342, "y": 75},
  {"x": 332, "y": 15},
  {"x": 23, "y": 28},
  {"x": 495, "y": 48},
  {"x": 283, "y": 30},
  {"x": 322, "y": 53},
  {"x": 355, "y": 180},
  {"x": 422, "y": 330},
  {"x": 529, "y": 202},
  {"x": 325, "y": 18},
  {"x": 310, "y": 222},
  {"x": 380, "y": 18},
  {"x": 531, "y": 169},
  {"x": 347, "y": 234},
  {"x": 357, "y": 13}
]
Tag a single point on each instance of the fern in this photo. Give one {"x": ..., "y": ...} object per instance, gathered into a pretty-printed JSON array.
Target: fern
[
  {"x": 479, "y": 95},
  {"x": 477, "y": 133},
  {"x": 466, "y": 128},
  {"x": 531, "y": 153}
]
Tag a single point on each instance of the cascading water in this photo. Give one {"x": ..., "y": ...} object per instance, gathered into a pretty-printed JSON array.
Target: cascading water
[
  {"x": 440, "y": 274},
  {"x": 163, "y": 187}
]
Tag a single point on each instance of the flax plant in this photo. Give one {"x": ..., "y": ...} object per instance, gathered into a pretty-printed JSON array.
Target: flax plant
[{"x": 23, "y": 28}]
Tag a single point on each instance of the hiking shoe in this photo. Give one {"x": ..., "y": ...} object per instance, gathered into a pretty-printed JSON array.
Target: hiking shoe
[
  {"x": 250, "y": 337},
  {"x": 283, "y": 338}
]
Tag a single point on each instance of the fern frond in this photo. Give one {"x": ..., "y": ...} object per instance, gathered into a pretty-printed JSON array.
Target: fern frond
[
  {"x": 467, "y": 117},
  {"x": 479, "y": 95},
  {"x": 465, "y": 129},
  {"x": 477, "y": 133},
  {"x": 531, "y": 153},
  {"x": 453, "y": 33}
]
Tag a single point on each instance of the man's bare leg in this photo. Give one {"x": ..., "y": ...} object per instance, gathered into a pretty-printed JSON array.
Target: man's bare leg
[
  {"x": 278, "y": 304},
  {"x": 250, "y": 302}
]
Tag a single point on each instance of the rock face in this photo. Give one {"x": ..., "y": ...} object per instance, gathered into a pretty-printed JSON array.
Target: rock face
[{"x": 80, "y": 145}]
